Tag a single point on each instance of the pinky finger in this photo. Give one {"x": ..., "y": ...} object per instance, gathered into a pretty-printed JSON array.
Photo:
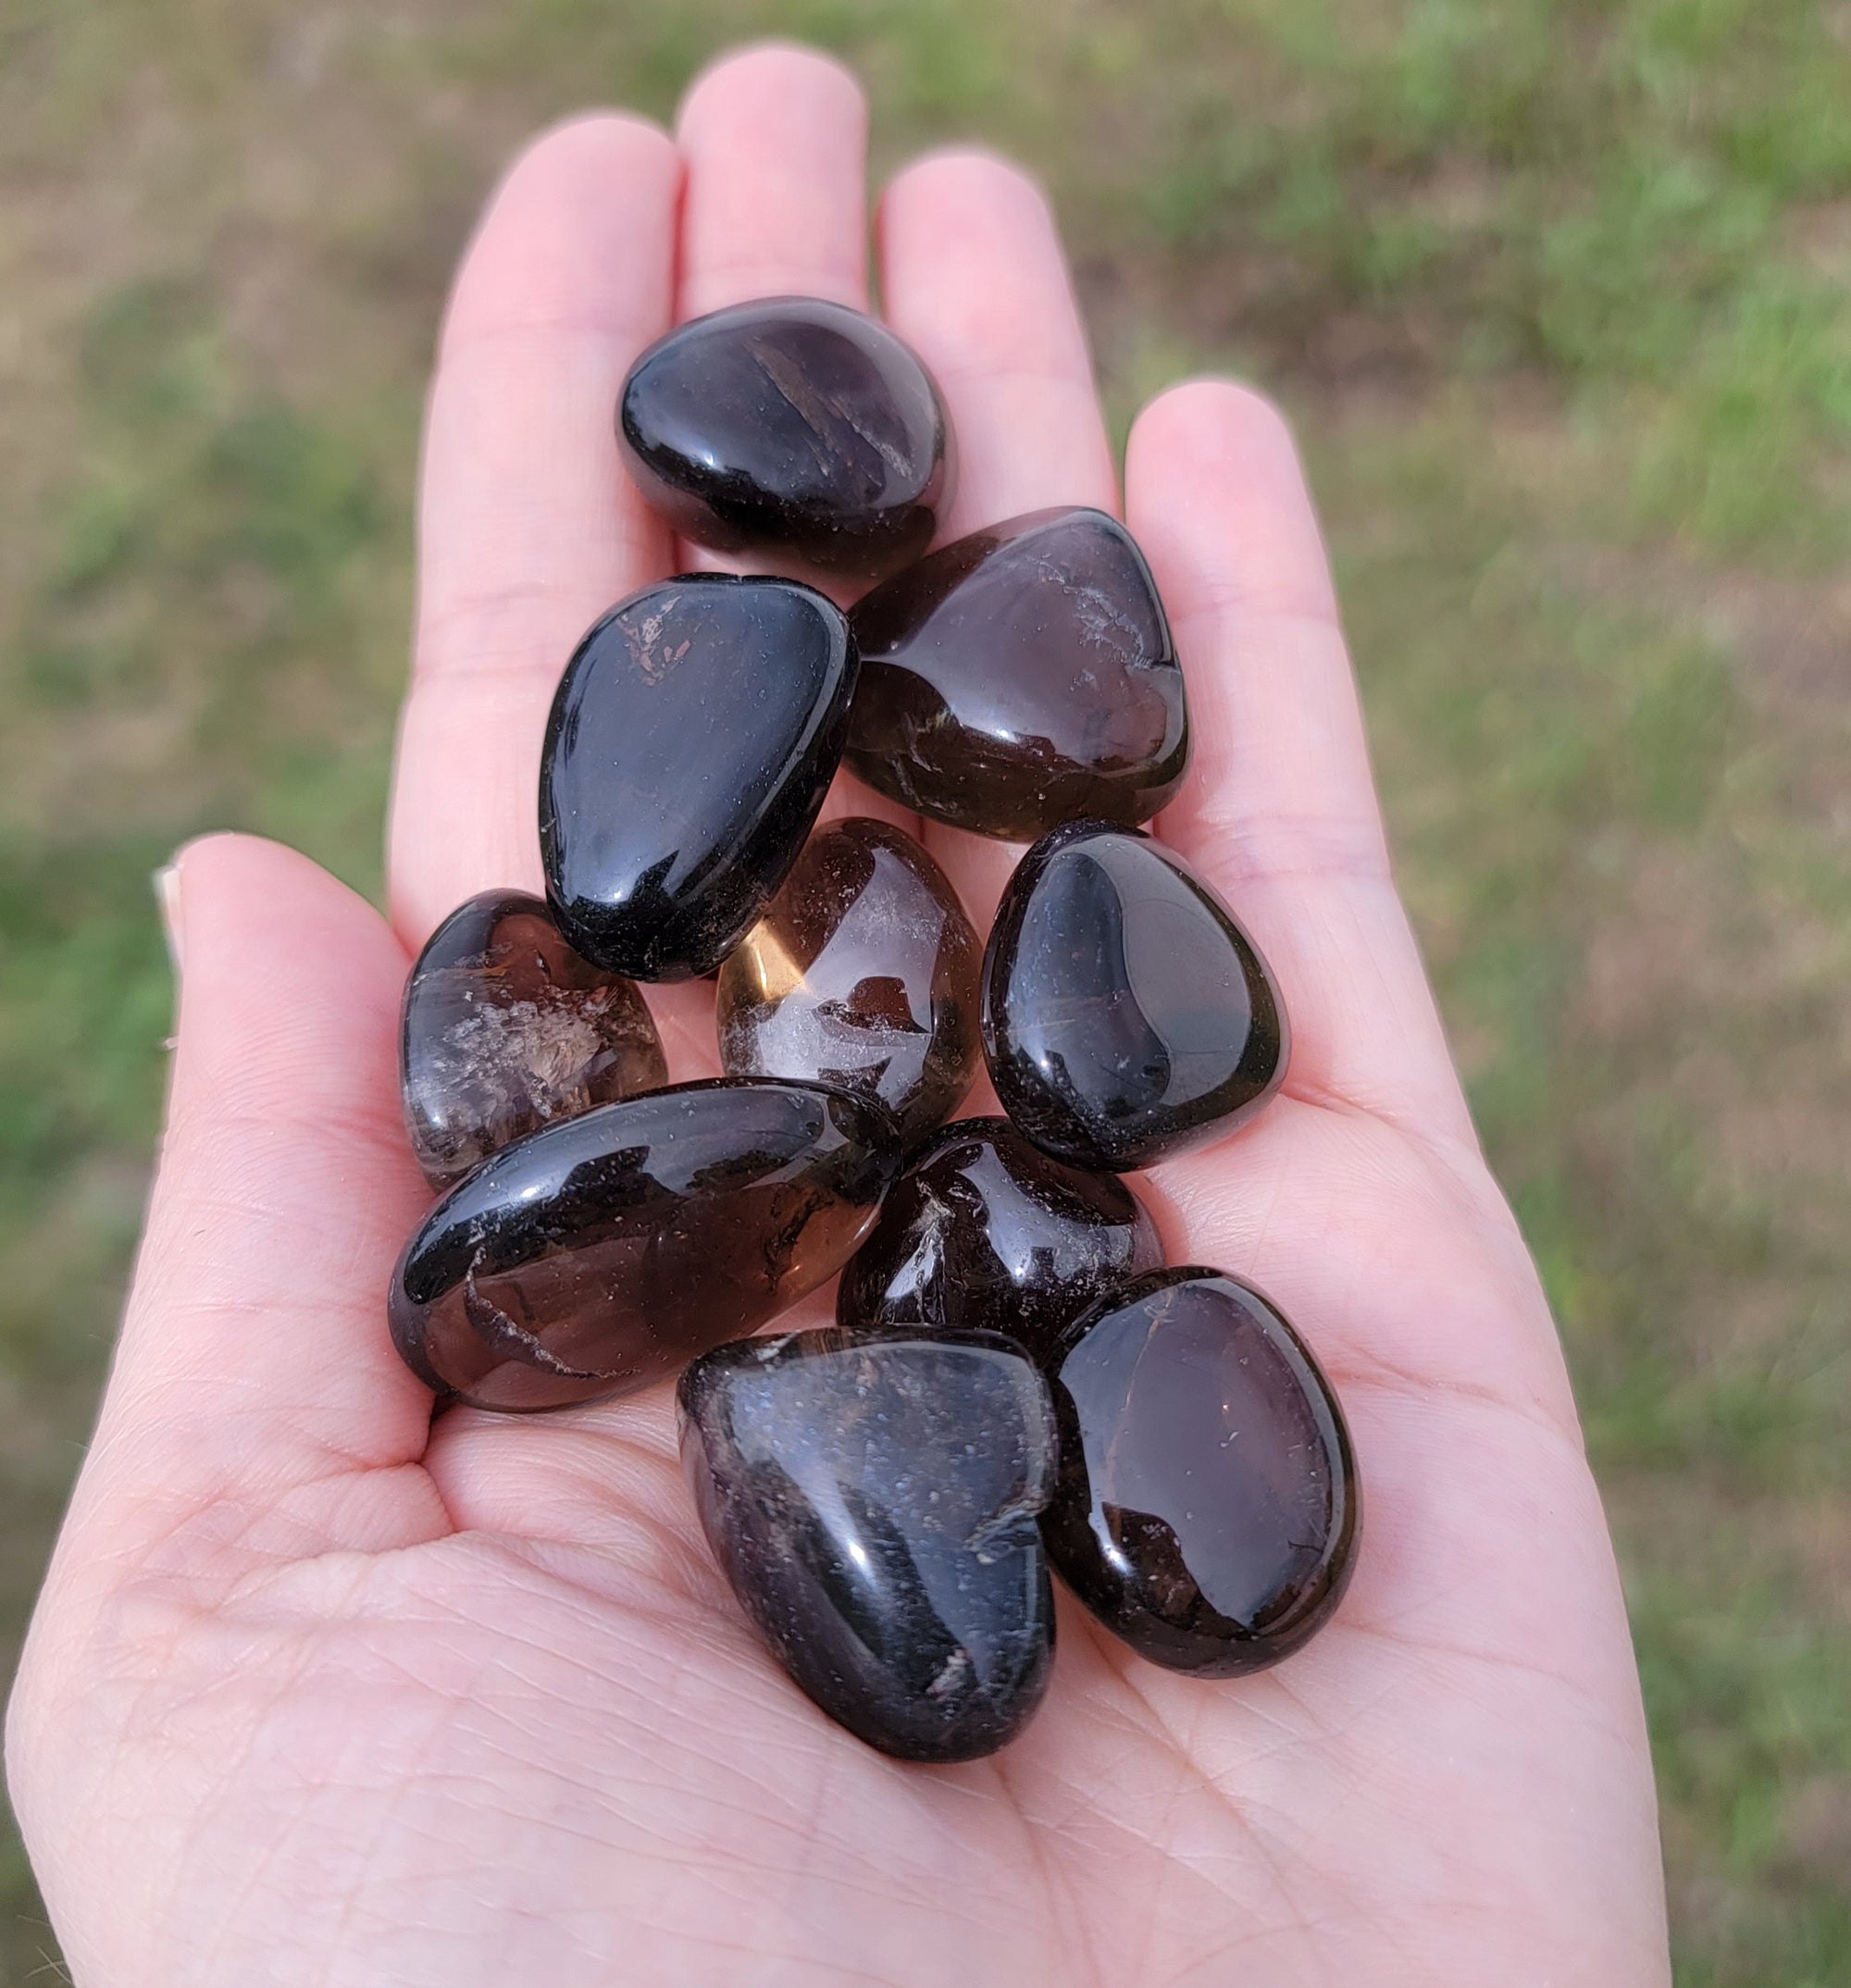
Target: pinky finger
[{"x": 1279, "y": 809}]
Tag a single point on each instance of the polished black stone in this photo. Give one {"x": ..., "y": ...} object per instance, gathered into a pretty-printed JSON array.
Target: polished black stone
[
  {"x": 692, "y": 741},
  {"x": 603, "y": 1252},
  {"x": 862, "y": 972},
  {"x": 1208, "y": 1510},
  {"x": 1126, "y": 1015},
  {"x": 871, "y": 1496},
  {"x": 1022, "y": 678},
  {"x": 983, "y": 1231},
  {"x": 506, "y": 1027},
  {"x": 792, "y": 428}
]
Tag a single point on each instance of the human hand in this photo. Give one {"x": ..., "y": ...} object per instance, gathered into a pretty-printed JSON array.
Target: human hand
[{"x": 320, "y": 1692}]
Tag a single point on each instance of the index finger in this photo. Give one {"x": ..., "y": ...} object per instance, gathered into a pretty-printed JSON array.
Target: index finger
[{"x": 528, "y": 528}]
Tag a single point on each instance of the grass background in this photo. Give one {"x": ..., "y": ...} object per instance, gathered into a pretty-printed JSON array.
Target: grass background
[{"x": 1557, "y": 291}]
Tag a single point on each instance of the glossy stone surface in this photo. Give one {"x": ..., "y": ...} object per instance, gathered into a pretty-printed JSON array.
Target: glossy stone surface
[
  {"x": 1126, "y": 1015},
  {"x": 1022, "y": 678},
  {"x": 692, "y": 741},
  {"x": 1208, "y": 1508},
  {"x": 982, "y": 1231},
  {"x": 862, "y": 972},
  {"x": 603, "y": 1252},
  {"x": 872, "y": 1497},
  {"x": 505, "y": 1028},
  {"x": 791, "y": 429}
]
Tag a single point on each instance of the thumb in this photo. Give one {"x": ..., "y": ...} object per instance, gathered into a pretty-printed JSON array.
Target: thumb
[{"x": 254, "y": 1380}]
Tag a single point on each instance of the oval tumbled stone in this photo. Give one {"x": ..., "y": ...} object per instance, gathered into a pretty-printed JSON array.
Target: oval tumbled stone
[
  {"x": 505, "y": 1028},
  {"x": 1022, "y": 678},
  {"x": 862, "y": 972},
  {"x": 983, "y": 1231},
  {"x": 692, "y": 741},
  {"x": 793, "y": 428},
  {"x": 871, "y": 1497},
  {"x": 1207, "y": 1509},
  {"x": 1126, "y": 1015},
  {"x": 603, "y": 1252}
]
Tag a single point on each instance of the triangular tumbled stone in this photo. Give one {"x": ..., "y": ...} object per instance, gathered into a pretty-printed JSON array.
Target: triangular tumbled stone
[
  {"x": 871, "y": 1496},
  {"x": 1021, "y": 678},
  {"x": 1126, "y": 1015}
]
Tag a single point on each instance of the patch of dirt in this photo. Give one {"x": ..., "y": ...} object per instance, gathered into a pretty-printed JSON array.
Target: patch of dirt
[
  {"x": 1818, "y": 235},
  {"x": 1816, "y": 1828},
  {"x": 1793, "y": 632},
  {"x": 1698, "y": 1532},
  {"x": 1257, "y": 303}
]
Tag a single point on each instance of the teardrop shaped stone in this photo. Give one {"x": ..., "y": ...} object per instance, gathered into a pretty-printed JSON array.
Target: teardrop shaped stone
[
  {"x": 506, "y": 1027},
  {"x": 1208, "y": 1508},
  {"x": 1126, "y": 1015},
  {"x": 984, "y": 1232},
  {"x": 792, "y": 428},
  {"x": 1022, "y": 678},
  {"x": 862, "y": 972},
  {"x": 871, "y": 1496},
  {"x": 692, "y": 741},
  {"x": 603, "y": 1252}
]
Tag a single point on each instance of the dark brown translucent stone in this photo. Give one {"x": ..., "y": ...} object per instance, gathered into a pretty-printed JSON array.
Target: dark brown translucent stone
[
  {"x": 595, "y": 1256},
  {"x": 795, "y": 429},
  {"x": 1021, "y": 678},
  {"x": 692, "y": 741},
  {"x": 1126, "y": 1015},
  {"x": 862, "y": 972},
  {"x": 872, "y": 1497},
  {"x": 506, "y": 1027},
  {"x": 1208, "y": 1507},
  {"x": 984, "y": 1231}
]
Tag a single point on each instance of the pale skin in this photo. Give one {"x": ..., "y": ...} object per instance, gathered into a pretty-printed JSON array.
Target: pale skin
[{"x": 322, "y": 1693}]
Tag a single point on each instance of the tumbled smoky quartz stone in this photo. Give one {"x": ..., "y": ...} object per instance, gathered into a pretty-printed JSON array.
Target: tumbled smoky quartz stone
[
  {"x": 1022, "y": 678},
  {"x": 1126, "y": 1014},
  {"x": 605, "y": 1251},
  {"x": 691, "y": 744},
  {"x": 871, "y": 1496},
  {"x": 862, "y": 974},
  {"x": 792, "y": 428},
  {"x": 505, "y": 1028},
  {"x": 984, "y": 1231},
  {"x": 1207, "y": 1509}
]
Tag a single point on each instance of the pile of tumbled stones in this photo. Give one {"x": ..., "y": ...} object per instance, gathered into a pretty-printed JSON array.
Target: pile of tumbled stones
[{"x": 1014, "y": 1378}]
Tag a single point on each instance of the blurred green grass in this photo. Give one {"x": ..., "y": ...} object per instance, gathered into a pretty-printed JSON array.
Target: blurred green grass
[{"x": 1558, "y": 294}]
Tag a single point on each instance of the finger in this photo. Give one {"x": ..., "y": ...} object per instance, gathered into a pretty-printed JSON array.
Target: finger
[
  {"x": 776, "y": 143},
  {"x": 1279, "y": 809},
  {"x": 528, "y": 527},
  {"x": 975, "y": 280},
  {"x": 255, "y": 1406}
]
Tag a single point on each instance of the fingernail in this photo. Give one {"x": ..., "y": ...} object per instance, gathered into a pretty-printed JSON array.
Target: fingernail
[{"x": 166, "y": 895}]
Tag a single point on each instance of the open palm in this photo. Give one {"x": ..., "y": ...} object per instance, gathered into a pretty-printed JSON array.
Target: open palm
[{"x": 322, "y": 1693}]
